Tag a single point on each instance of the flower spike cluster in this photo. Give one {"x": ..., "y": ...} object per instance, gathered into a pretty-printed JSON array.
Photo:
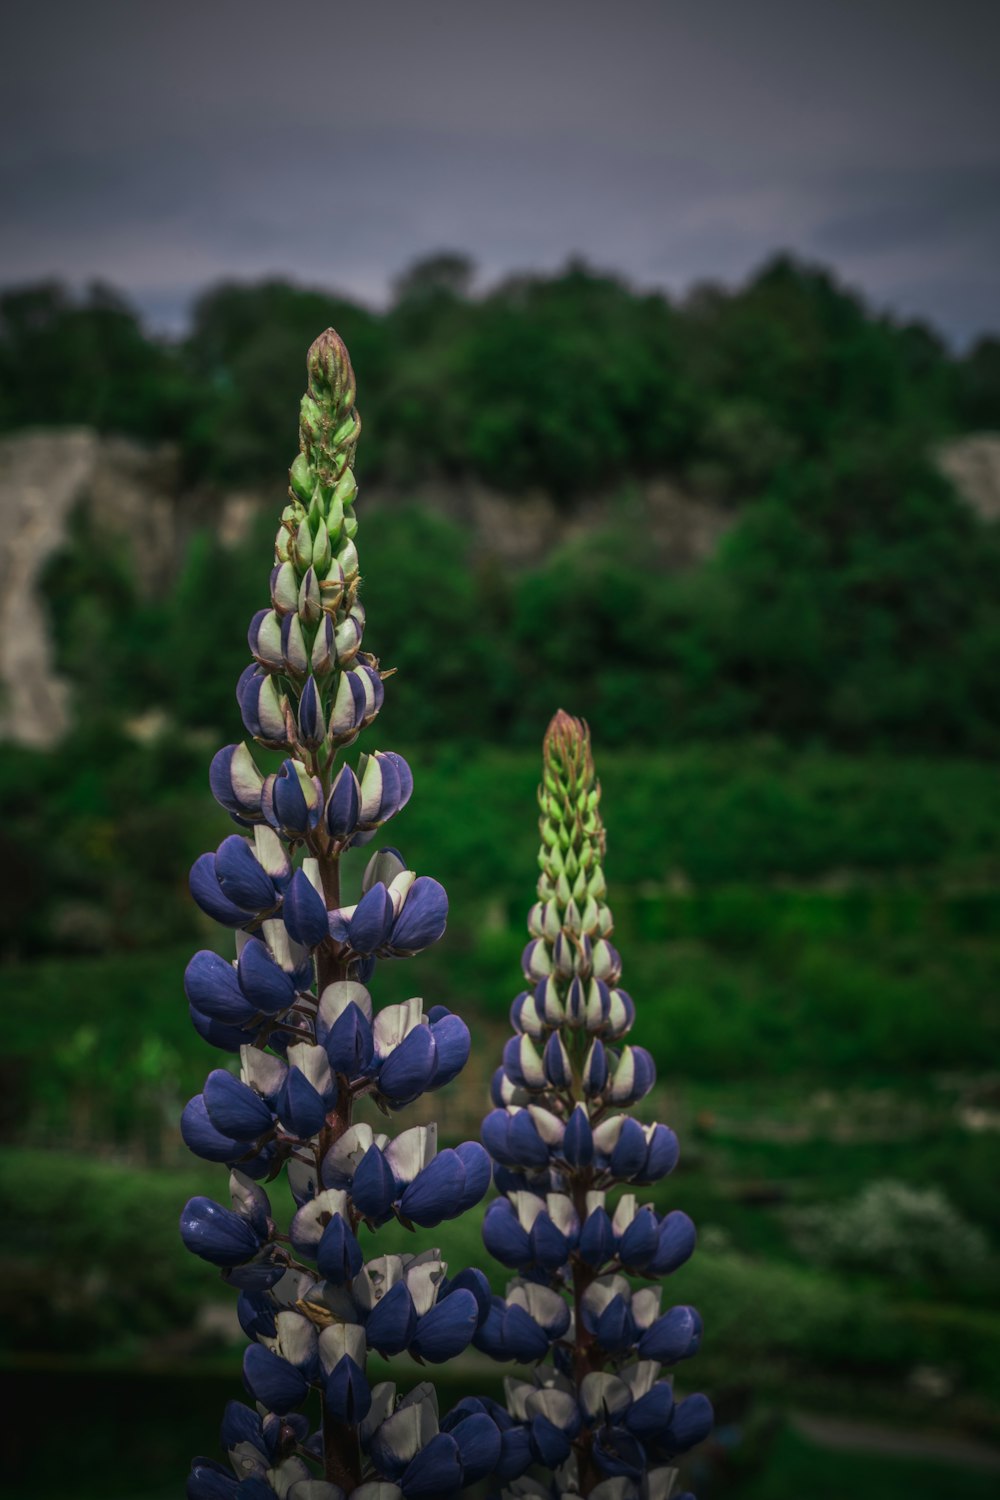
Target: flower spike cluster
[
  {"x": 598, "y": 1417},
  {"x": 295, "y": 1008}
]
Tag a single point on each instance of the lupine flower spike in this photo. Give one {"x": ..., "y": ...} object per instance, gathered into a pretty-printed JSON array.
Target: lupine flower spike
[
  {"x": 295, "y": 1009},
  {"x": 599, "y": 1416}
]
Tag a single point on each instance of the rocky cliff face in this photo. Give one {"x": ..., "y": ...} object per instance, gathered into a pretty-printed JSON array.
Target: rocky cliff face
[{"x": 136, "y": 493}]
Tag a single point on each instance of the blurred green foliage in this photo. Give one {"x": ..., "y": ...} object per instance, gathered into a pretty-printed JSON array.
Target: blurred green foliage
[{"x": 853, "y": 601}]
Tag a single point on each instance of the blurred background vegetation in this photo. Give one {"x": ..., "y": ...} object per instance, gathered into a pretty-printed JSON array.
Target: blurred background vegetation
[{"x": 796, "y": 732}]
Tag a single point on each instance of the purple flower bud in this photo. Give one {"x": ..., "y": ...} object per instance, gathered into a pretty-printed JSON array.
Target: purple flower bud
[
  {"x": 435, "y": 1193},
  {"x": 435, "y": 1471},
  {"x": 392, "y": 1322},
  {"x": 618, "y": 1454},
  {"x": 241, "y": 1424},
  {"x": 578, "y": 1142},
  {"x": 555, "y": 1059},
  {"x": 210, "y": 1481},
  {"x": 478, "y": 1172},
  {"x": 217, "y": 1033},
  {"x": 264, "y": 983},
  {"x": 312, "y": 724},
  {"x": 472, "y": 1280},
  {"x": 213, "y": 988},
  {"x": 675, "y": 1336},
  {"x": 301, "y": 1107},
  {"x": 662, "y": 1154},
  {"x": 242, "y": 878},
  {"x": 374, "y": 1188},
  {"x": 423, "y": 918},
  {"x": 614, "y": 1328},
  {"x": 648, "y": 1417},
  {"x": 597, "y": 1239},
  {"x": 550, "y": 1445},
  {"x": 206, "y": 890},
  {"x": 349, "y": 1043},
  {"x": 343, "y": 807},
  {"x": 272, "y": 1380},
  {"x": 595, "y": 1070},
  {"x": 217, "y": 1234},
  {"x": 236, "y": 782},
  {"x": 639, "y": 1242},
  {"x": 290, "y": 800},
  {"x": 504, "y": 1236},
  {"x": 549, "y": 1246},
  {"x": 338, "y": 1254},
  {"x": 263, "y": 709},
  {"x": 347, "y": 1395},
  {"x": 629, "y": 1154},
  {"x": 453, "y": 1044},
  {"x": 675, "y": 1244},
  {"x": 691, "y": 1423},
  {"x": 304, "y": 912},
  {"x": 234, "y": 1108},
  {"x": 348, "y": 706},
  {"x": 365, "y": 928},
  {"x": 409, "y": 1069},
  {"x": 478, "y": 1440},
  {"x": 323, "y": 659},
  {"x": 201, "y": 1136},
  {"x": 447, "y": 1328}
]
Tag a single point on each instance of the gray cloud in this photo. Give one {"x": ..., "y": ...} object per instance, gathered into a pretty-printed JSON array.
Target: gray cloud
[{"x": 161, "y": 148}]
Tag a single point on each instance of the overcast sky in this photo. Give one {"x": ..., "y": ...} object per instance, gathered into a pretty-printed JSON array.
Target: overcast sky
[{"x": 161, "y": 147}]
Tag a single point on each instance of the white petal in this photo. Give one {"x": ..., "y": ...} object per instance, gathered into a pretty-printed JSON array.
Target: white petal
[
  {"x": 562, "y": 1213},
  {"x": 261, "y": 1070},
  {"x": 527, "y": 1206},
  {"x": 646, "y": 1306},
  {"x": 640, "y": 1377},
  {"x": 658, "y": 1484},
  {"x": 624, "y": 1213},
  {"x": 296, "y": 1337},
  {"x": 549, "y": 1126},
  {"x": 422, "y": 1280},
  {"x": 601, "y": 1392},
  {"x": 337, "y": 997},
  {"x": 411, "y": 1150},
  {"x": 313, "y": 1062},
  {"x": 270, "y": 851},
  {"x": 606, "y": 1134},
  {"x": 393, "y": 1022},
  {"x": 340, "y": 1339},
  {"x": 383, "y": 1405},
  {"x": 375, "y": 1278},
  {"x": 558, "y": 1406},
  {"x": 348, "y": 1149}
]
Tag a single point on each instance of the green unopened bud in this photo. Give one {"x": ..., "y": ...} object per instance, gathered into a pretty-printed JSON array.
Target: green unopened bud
[
  {"x": 346, "y": 489},
  {"x": 331, "y": 376},
  {"x": 309, "y": 601},
  {"x": 335, "y": 519},
  {"x": 322, "y": 551},
  {"x": 301, "y": 477},
  {"x": 347, "y": 557},
  {"x": 302, "y": 549},
  {"x": 283, "y": 545}
]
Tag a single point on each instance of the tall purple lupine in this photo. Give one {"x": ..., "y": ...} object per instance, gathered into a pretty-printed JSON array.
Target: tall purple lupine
[
  {"x": 295, "y": 1008},
  {"x": 598, "y": 1413}
]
